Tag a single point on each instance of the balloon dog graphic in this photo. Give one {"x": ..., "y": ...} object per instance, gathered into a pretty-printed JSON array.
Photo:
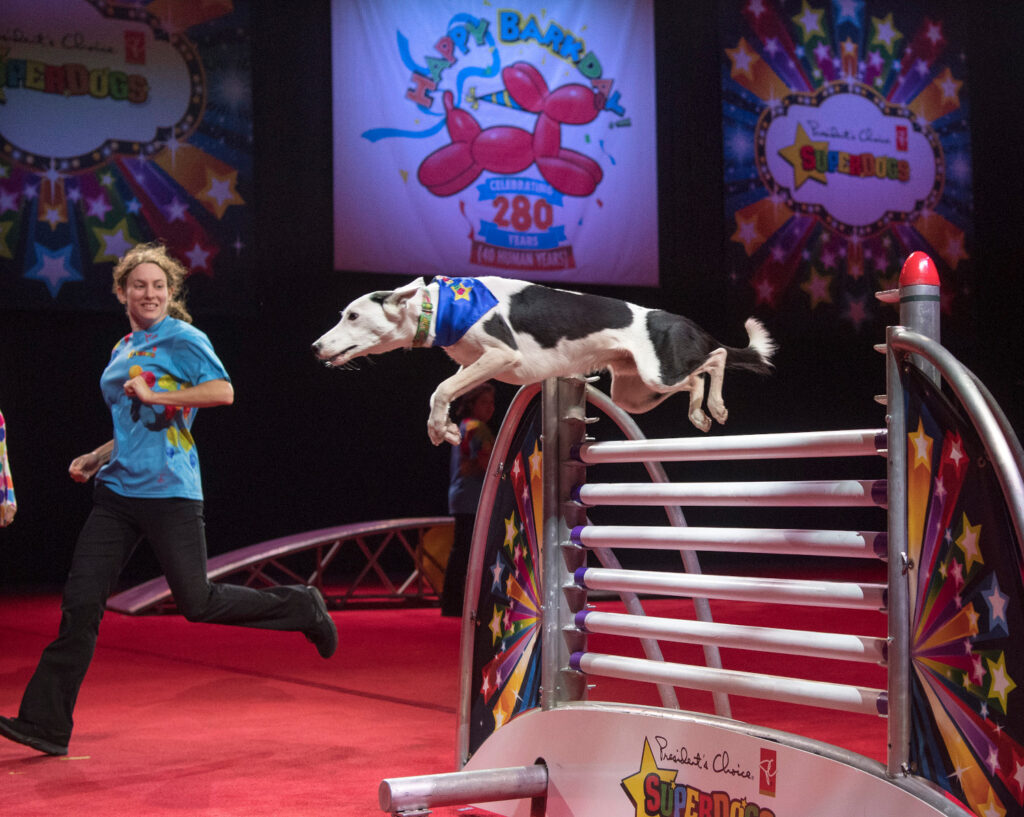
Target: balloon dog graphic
[{"x": 505, "y": 149}]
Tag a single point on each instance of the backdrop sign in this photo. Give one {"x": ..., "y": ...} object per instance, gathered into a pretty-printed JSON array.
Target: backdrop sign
[
  {"x": 846, "y": 149},
  {"x": 120, "y": 124},
  {"x": 475, "y": 138}
]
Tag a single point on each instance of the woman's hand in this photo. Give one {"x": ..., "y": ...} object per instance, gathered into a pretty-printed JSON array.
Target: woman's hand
[
  {"x": 83, "y": 468},
  {"x": 138, "y": 388}
]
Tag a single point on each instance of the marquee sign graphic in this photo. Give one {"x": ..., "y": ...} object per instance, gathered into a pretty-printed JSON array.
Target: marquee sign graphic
[
  {"x": 122, "y": 123},
  {"x": 846, "y": 148}
]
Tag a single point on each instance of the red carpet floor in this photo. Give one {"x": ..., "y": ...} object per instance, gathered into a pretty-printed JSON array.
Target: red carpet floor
[{"x": 210, "y": 721}]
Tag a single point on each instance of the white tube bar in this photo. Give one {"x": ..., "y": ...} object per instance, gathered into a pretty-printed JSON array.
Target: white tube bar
[
  {"x": 857, "y": 443},
  {"x": 767, "y": 687},
  {"x": 847, "y": 595},
  {"x": 839, "y": 646},
  {"x": 402, "y": 794},
  {"x": 857, "y": 544},
  {"x": 842, "y": 493}
]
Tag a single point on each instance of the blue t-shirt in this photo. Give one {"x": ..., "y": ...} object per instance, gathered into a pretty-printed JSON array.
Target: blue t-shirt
[{"x": 154, "y": 454}]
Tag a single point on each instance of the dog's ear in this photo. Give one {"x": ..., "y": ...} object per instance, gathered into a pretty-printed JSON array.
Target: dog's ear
[{"x": 394, "y": 303}]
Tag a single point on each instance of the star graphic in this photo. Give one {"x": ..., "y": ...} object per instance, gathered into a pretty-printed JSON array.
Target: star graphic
[
  {"x": 536, "y": 461},
  {"x": 743, "y": 60},
  {"x": 950, "y": 87},
  {"x": 634, "y": 784},
  {"x": 817, "y": 287},
  {"x": 176, "y": 210},
  {"x": 220, "y": 192},
  {"x": 922, "y": 446},
  {"x": 199, "y": 258},
  {"x": 997, "y": 602},
  {"x": 114, "y": 242},
  {"x": 967, "y": 541},
  {"x": 794, "y": 155},
  {"x": 747, "y": 234},
  {"x": 848, "y": 11},
  {"x": 98, "y": 207},
  {"x": 8, "y": 200},
  {"x": 53, "y": 268},
  {"x": 885, "y": 32},
  {"x": 809, "y": 21},
  {"x": 1000, "y": 684}
]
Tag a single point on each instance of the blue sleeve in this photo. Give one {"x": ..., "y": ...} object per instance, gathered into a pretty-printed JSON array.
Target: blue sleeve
[{"x": 199, "y": 363}]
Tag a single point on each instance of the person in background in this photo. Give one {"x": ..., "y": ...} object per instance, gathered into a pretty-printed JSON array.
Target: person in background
[
  {"x": 472, "y": 411},
  {"x": 8, "y": 504},
  {"x": 148, "y": 486}
]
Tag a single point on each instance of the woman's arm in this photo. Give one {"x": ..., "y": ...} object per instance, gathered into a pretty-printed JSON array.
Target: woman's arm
[
  {"x": 205, "y": 395},
  {"x": 84, "y": 467}
]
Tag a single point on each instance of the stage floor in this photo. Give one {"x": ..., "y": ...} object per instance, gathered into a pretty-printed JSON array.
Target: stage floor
[{"x": 213, "y": 721}]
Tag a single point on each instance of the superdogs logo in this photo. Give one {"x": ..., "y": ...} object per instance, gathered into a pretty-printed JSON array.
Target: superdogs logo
[
  {"x": 509, "y": 130},
  {"x": 657, "y": 792},
  {"x": 871, "y": 162}
]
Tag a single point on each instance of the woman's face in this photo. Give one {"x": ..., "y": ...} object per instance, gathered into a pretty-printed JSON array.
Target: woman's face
[
  {"x": 145, "y": 295},
  {"x": 483, "y": 407}
]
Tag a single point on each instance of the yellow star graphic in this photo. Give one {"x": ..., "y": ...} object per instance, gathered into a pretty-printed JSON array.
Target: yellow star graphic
[
  {"x": 968, "y": 543},
  {"x": 461, "y": 292},
  {"x": 792, "y": 154},
  {"x": 634, "y": 784},
  {"x": 922, "y": 445},
  {"x": 809, "y": 21},
  {"x": 1000, "y": 684}
]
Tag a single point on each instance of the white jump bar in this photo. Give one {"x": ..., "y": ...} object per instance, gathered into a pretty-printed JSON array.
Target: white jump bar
[
  {"x": 839, "y": 646},
  {"x": 838, "y": 543},
  {"x": 767, "y": 687},
  {"x": 846, "y": 595},
  {"x": 843, "y": 493},
  {"x": 857, "y": 443}
]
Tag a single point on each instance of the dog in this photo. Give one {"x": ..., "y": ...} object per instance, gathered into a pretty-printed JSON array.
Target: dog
[{"x": 520, "y": 332}]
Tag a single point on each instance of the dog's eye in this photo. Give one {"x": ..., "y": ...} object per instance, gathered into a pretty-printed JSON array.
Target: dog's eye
[{"x": 351, "y": 316}]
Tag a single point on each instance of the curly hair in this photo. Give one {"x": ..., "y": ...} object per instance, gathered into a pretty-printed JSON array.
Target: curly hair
[{"x": 156, "y": 253}]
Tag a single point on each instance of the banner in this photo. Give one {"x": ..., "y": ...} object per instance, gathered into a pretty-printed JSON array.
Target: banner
[
  {"x": 121, "y": 124},
  {"x": 515, "y": 140},
  {"x": 846, "y": 148}
]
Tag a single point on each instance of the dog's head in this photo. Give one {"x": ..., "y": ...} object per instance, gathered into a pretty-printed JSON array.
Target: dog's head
[{"x": 375, "y": 323}]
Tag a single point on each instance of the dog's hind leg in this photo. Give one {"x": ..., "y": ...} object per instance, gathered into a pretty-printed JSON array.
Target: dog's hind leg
[
  {"x": 715, "y": 368},
  {"x": 694, "y": 384}
]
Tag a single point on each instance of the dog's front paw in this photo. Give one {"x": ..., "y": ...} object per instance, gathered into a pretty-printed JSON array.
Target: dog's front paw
[{"x": 443, "y": 431}]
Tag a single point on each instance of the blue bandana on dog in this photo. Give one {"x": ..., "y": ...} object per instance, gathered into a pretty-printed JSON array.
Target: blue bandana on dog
[{"x": 461, "y": 302}]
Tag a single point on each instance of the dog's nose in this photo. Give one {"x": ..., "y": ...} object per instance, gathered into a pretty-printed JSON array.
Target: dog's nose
[{"x": 315, "y": 348}]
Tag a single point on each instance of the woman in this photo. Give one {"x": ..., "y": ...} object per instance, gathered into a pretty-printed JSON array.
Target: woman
[
  {"x": 148, "y": 485},
  {"x": 472, "y": 411},
  {"x": 8, "y": 504}
]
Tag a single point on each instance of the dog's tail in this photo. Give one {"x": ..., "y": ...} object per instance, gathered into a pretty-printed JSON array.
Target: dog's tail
[{"x": 757, "y": 356}]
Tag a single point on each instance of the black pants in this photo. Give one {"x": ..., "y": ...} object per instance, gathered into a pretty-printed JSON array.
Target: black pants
[
  {"x": 454, "y": 589},
  {"x": 175, "y": 529}
]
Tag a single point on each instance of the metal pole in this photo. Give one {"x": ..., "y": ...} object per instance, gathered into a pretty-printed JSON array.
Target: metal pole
[
  {"x": 563, "y": 406},
  {"x": 919, "y": 311}
]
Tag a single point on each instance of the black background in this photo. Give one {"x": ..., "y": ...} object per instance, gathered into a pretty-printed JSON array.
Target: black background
[{"x": 304, "y": 447}]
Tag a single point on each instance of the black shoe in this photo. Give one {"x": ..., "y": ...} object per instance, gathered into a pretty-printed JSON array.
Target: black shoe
[
  {"x": 322, "y": 631},
  {"x": 28, "y": 735}
]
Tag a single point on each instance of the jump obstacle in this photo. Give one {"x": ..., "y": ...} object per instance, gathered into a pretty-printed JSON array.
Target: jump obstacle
[
  {"x": 952, "y": 496},
  {"x": 306, "y": 558}
]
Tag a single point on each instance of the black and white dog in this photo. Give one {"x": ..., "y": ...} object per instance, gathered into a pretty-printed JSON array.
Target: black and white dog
[{"x": 519, "y": 332}]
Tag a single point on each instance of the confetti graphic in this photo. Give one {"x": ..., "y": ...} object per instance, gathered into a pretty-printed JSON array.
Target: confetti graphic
[
  {"x": 967, "y": 710},
  {"x": 846, "y": 148},
  {"x": 161, "y": 147}
]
